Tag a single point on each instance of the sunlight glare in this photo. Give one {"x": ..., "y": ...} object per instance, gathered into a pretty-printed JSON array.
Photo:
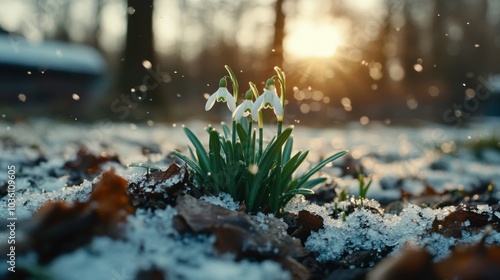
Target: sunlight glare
[{"x": 313, "y": 40}]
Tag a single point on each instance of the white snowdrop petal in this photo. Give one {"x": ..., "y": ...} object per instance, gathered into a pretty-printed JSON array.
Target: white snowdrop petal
[{"x": 210, "y": 102}]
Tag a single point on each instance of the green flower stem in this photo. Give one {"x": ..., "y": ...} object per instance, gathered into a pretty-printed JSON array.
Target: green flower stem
[
  {"x": 261, "y": 137},
  {"x": 275, "y": 205},
  {"x": 234, "y": 136},
  {"x": 275, "y": 194},
  {"x": 249, "y": 155},
  {"x": 261, "y": 133},
  {"x": 280, "y": 127},
  {"x": 234, "y": 82},
  {"x": 260, "y": 120},
  {"x": 256, "y": 95}
]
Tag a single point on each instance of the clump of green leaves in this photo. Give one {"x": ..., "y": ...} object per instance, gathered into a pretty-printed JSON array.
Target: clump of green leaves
[
  {"x": 237, "y": 162},
  {"x": 343, "y": 196},
  {"x": 363, "y": 187}
]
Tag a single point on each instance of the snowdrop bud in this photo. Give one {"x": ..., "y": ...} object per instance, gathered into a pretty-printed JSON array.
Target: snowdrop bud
[
  {"x": 249, "y": 94},
  {"x": 223, "y": 82},
  {"x": 269, "y": 82}
]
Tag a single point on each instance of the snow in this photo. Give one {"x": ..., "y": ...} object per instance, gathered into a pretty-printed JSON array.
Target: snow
[
  {"x": 362, "y": 230},
  {"x": 151, "y": 241},
  {"x": 388, "y": 154},
  {"x": 223, "y": 199}
]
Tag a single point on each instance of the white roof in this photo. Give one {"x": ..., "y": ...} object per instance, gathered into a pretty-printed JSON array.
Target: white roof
[{"x": 53, "y": 55}]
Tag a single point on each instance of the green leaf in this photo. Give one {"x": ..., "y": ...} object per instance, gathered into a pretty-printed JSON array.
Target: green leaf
[
  {"x": 227, "y": 131},
  {"x": 287, "y": 150},
  {"x": 200, "y": 151},
  {"x": 318, "y": 167},
  {"x": 245, "y": 123},
  {"x": 300, "y": 191},
  {"x": 238, "y": 151},
  {"x": 363, "y": 189},
  {"x": 242, "y": 134},
  {"x": 145, "y": 165},
  {"x": 267, "y": 160},
  {"x": 190, "y": 163},
  {"x": 254, "y": 90},
  {"x": 193, "y": 156},
  {"x": 285, "y": 198},
  {"x": 294, "y": 163},
  {"x": 281, "y": 75},
  {"x": 233, "y": 80},
  {"x": 313, "y": 182},
  {"x": 215, "y": 155},
  {"x": 252, "y": 159},
  {"x": 227, "y": 148}
]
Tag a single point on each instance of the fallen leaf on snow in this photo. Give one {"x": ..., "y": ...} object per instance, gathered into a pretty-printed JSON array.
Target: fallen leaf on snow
[
  {"x": 87, "y": 162},
  {"x": 465, "y": 262},
  {"x": 254, "y": 237},
  {"x": 160, "y": 188},
  {"x": 84, "y": 165},
  {"x": 471, "y": 262},
  {"x": 307, "y": 222},
  {"x": 463, "y": 219},
  {"x": 410, "y": 264},
  {"x": 60, "y": 227}
]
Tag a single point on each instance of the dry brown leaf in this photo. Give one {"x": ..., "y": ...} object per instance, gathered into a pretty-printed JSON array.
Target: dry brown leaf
[
  {"x": 87, "y": 162},
  {"x": 253, "y": 237},
  {"x": 466, "y": 263},
  {"x": 110, "y": 200},
  {"x": 410, "y": 264},
  {"x": 60, "y": 227},
  {"x": 160, "y": 188},
  {"x": 453, "y": 224},
  {"x": 472, "y": 262},
  {"x": 307, "y": 222}
]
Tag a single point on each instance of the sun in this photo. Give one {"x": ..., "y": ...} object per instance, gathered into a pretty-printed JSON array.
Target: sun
[{"x": 308, "y": 40}]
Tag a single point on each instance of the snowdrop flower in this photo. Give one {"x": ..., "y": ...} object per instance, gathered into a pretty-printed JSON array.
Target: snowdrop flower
[
  {"x": 245, "y": 108},
  {"x": 269, "y": 99},
  {"x": 221, "y": 95}
]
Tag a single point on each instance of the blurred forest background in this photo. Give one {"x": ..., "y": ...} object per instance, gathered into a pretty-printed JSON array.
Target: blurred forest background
[{"x": 387, "y": 60}]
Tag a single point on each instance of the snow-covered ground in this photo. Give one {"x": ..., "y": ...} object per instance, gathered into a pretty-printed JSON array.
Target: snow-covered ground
[{"x": 396, "y": 158}]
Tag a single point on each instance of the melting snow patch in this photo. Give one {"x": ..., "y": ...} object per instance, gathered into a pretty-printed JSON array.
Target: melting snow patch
[
  {"x": 368, "y": 230},
  {"x": 223, "y": 199},
  {"x": 179, "y": 257}
]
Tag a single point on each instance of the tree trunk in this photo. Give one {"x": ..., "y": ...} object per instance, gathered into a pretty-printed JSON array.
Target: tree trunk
[
  {"x": 138, "y": 78},
  {"x": 276, "y": 56}
]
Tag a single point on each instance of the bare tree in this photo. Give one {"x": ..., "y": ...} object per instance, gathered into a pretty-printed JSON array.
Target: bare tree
[
  {"x": 276, "y": 56},
  {"x": 139, "y": 56}
]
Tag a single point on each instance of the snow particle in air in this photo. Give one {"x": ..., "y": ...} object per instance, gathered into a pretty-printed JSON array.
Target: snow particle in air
[
  {"x": 22, "y": 97},
  {"x": 147, "y": 64},
  {"x": 364, "y": 120},
  {"x": 433, "y": 91}
]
